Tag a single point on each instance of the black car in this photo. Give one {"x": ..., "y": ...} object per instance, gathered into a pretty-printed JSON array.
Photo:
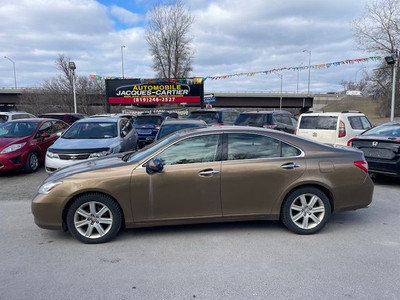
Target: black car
[
  {"x": 171, "y": 125},
  {"x": 381, "y": 147},
  {"x": 277, "y": 119},
  {"x": 147, "y": 127},
  {"x": 215, "y": 116}
]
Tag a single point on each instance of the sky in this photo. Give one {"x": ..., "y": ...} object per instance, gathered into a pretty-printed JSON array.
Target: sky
[{"x": 229, "y": 37}]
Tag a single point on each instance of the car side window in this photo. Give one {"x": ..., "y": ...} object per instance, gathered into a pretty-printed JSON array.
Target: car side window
[
  {"x": 59, "y": 126},
  {"x": 197, "y": 149},
  {"x": 253, "y": 146},
  {"x": 45, "y": 128}
]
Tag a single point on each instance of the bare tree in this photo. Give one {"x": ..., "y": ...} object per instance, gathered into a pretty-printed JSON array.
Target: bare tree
[
  {"x": 168, "y": 38},
  {"x": 61, "y": 90},
  {"x": 378, "y": 31}
]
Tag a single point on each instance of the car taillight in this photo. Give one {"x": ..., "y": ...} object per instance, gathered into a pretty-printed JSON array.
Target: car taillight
[
  {"x": 342, "y": 129},
  {"x": 362, "y": 164},
  {"x": 350, "y": 142}
]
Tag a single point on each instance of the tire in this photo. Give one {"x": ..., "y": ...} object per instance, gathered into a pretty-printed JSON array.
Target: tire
[
  {"x": 32, "y": 162},
  {"x": 306, "y": 210},
  {"x": 87, "y": 225}
]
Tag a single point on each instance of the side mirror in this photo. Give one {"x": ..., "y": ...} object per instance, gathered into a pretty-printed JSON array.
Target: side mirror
[{"x": 155, "y": 165}]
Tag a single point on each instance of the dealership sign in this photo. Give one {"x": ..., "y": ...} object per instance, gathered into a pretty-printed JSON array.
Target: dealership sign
[{"x": 154, "y": 91}]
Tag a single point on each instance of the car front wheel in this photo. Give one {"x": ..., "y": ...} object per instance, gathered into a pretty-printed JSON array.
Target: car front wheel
[
  {"x": 32, "y": 162},
  {"x": 94, "y": 218},
  {"x": 306, "y": 210}
]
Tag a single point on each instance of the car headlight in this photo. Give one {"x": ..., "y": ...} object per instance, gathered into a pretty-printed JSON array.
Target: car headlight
[
  {"x": 12, "y": 148},
  {"x": 48, "y": 186},
  {"x": 52, "y": 155},
  {"x": 101, "y": 153}
]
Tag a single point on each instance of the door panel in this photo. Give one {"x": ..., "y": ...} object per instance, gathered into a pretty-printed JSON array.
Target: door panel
[
  {"x": 179, "y": 191},
  {"x": 253, "y": 186}
]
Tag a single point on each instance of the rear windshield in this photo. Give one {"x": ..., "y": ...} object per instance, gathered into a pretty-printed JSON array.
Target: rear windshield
[
  {"x": 254, "y": 119},
  {"x": 391, "y": 130},
  {"x": 210, "y": 117},
  {"x": 57, "y": 117},
  {"x": 318, "y": 122},
  {"x": 149, "y": 120}
]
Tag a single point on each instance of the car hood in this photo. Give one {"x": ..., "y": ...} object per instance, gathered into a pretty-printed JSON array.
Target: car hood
[
  {"x": 5, "y": 142},
  {"x": 111, "y": 161},
  {"x": 77, "y": 144}
]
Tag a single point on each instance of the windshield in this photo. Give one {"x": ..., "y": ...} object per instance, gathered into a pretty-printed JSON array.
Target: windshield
[
  {"x": 17, "y": 129},
  {"x": 148, "y": 120},
  {"x": 210, "y": 117},
  {"x": 91, "y": 130},
  {"x": 391, "y": 130}
]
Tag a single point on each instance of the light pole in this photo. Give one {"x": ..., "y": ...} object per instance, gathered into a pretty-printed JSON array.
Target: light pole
[
  {"x": 72, "y": 67},
  {"x": 298, "y": 69},
  {"x": 122, "y": 61},
  {"x": 391, "y": 60},
  {"x": 15, "y": 75},
  {"x": 309, "y": 69},
  {"x": 280, "y": 98}
]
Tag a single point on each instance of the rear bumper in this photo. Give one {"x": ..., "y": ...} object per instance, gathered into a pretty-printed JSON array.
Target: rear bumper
[{"x": 386, "y": 167}]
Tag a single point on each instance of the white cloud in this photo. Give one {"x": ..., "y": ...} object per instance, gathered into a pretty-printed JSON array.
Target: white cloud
[
  {"x": 125, "y": 16},
  {"x": 229, "y": 37}
]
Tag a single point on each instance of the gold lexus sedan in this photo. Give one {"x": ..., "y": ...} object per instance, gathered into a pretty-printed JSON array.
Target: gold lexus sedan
[{"x": 220, "y": 174}]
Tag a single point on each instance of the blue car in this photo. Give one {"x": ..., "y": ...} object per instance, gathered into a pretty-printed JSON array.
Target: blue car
[{"x": 147, "y": 127}]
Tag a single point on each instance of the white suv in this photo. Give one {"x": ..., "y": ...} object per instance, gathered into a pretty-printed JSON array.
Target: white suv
[
  {"x": 332, "y": 127},
  {"x": 14, "y": 115}
]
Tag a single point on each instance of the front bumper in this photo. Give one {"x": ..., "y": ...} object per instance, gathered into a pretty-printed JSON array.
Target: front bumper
[{"x": 47, "y": 212}]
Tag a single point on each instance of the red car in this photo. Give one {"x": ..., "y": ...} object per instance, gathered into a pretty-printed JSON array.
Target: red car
[{"x": 24, "y": 142}]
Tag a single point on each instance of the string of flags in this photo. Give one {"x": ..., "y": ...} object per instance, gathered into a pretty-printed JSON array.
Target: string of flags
[{"x": 219, "y": 77}]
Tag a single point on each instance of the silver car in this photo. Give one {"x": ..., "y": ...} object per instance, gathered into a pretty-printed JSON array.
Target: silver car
[{"x": 91, "y": 138}]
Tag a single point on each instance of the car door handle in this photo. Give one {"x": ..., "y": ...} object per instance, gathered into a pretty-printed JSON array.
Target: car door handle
[
  {"x": 208, "y": 172},
  {"x": 290, "y": 166}
]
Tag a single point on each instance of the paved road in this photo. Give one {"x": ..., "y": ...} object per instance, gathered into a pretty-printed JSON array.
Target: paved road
[{"x": 356, "y": 256}]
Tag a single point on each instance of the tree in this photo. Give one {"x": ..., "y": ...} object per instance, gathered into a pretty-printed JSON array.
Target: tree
[
  {"x": 168, "y": 38},
  {"x": 61, "y": 90},
  {"x": 378, "y": 31}
]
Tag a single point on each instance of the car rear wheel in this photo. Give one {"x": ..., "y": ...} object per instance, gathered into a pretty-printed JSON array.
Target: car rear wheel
[
  {"x": 32, "y": 162},
  {"x": 94, "y": 218},
  {"x": 306, "y": 210}
]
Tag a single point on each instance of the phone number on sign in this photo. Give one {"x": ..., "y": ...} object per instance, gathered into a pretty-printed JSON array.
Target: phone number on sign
[{"x": 154, "y": 100}]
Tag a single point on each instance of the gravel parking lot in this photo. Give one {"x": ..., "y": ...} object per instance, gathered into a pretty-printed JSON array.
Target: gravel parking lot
[{"x": 356, "y": 256}]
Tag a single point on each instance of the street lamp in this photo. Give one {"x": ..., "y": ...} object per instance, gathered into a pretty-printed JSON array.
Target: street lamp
[
  {"x": 280, "y": 98},
  {"x": 391, "y": 60},
  {"x": 15, "y": 76},
  {"x": 309, "y": 69},
  {"x": 122, "y": 60},
  {"x": 298, "y": 69},
  {"x": 72, "y": 67}
]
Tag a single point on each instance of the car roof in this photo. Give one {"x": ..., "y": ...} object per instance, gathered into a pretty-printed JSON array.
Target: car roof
[
  {"x": 98, "y": 120},
  {"x": 31, "y": 120},
  {"x": 350, "y": 113},
  {"x": 184, "y": 121},
  {"x": 61, "y": 114},
  {"x": 215, "y": 109},
  {"x": 13, "y": 112}
]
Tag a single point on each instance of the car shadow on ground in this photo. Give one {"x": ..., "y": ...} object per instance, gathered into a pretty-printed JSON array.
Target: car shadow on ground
[{"x": 385, "y": 180}]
